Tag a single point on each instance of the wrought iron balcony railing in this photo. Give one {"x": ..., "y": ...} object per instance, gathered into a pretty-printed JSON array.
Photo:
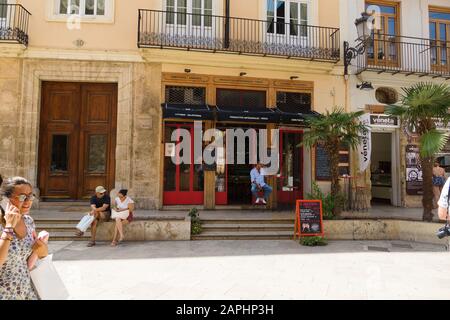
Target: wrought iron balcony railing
[
  {"x": 167, "y": 29},
  {"x": 14, "y": 23},
  {"x": 407, "y": 55}
]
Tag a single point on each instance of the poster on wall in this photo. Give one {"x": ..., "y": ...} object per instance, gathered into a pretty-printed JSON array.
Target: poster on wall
[{"x": 413, "y": 171}]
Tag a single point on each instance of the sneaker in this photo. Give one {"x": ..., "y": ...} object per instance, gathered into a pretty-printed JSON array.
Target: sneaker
[
  {"x": 264, "y": 201},
  {"x": 257, "y": 201}
]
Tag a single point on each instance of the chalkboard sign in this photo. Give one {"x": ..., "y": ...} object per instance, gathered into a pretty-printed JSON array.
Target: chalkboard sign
[
  {"x": 309, "y": 221},
  {"x": 323, "y": 172}
]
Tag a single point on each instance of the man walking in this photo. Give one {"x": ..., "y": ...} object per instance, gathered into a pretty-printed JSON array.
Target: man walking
[
  {"x": 100, "y": 209},
  {"x": 258, "y": 184}
]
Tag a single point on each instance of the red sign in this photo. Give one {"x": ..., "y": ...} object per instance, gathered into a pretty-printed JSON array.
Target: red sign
[{"x": 309, "y": 218}]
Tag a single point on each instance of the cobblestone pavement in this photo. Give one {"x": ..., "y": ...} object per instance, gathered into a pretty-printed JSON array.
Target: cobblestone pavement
[{"x": 254, "y": 270}]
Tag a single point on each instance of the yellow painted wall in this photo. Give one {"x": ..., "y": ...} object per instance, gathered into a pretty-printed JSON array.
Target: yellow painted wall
[
  {"x": 121, "y": 34},
  {"x": 329, "y": 13}
]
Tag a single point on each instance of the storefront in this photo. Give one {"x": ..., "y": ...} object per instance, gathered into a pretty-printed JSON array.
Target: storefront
[
  {"x": 385, "y": 160},
  {"x": 249, "y": 108}
]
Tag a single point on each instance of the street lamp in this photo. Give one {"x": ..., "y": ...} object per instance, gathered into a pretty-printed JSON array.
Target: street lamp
[{"x": 364, "y": 30}]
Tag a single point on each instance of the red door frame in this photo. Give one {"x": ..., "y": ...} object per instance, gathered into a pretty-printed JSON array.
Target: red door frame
[
  {"x": 290, "y": 197},
  {"x": 178, "y": 197}
]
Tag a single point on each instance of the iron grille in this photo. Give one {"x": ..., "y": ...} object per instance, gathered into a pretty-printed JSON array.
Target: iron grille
[
  {"x": 241, "y": 98},
  {"x": 296, "y": 102},
  {"x": 185, "y": 95}
]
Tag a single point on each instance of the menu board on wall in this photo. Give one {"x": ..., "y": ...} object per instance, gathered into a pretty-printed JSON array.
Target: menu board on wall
[
  {"x": 413, "y": 171},
  {"x": 323, "y": 172},
  {"x": 322, "y": 163},
  {"x": 309, "y": 220}
]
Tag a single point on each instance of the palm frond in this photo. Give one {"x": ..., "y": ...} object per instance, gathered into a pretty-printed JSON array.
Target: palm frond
[{"x": 432, "y": 142}]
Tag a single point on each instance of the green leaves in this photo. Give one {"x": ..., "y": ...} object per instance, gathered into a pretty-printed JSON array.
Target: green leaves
[
  {"x": 335, "y": 127},
  {"x": 423, "y": 103},
  {"x": 432, "y": 142}
]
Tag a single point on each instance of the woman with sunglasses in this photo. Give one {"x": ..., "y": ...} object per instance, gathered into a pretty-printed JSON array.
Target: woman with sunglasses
[{"x": 19, "y": 246}]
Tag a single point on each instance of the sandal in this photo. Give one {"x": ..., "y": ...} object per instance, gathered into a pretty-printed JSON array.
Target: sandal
[
  {"x": 114, "y": 244},
  {"x": 91, "y": 243},
  {"x": 79, "y": 233}
]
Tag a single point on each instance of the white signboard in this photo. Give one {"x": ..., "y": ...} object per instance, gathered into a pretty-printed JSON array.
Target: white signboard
[
  {"x": 170, "y": 150},
  {"x": 365, "y": 145}
]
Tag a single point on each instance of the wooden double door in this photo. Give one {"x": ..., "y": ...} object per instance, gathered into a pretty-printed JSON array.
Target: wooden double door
[{"x": 77, "y": 140}]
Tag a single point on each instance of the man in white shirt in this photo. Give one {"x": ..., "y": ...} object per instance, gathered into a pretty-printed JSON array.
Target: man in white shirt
[
  {"x": 258, "y": 184},
  {"x": 444, "y": 201}
]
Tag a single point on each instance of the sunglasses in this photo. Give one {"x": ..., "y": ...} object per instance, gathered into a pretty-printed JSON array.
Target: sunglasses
[{"x": 24, "y": 197}]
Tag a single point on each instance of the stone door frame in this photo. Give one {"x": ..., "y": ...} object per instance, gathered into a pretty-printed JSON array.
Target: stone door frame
[{"x": 35, "y": 71}]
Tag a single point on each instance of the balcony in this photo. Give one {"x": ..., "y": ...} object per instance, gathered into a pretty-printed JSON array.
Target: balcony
[
  {"x": 166, "y": 29},
  {"x": 406, "y": 55},
  {"x": 14, "y": 24}
]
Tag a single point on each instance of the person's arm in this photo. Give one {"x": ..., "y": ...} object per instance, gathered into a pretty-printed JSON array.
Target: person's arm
[
  {"x": 131, "y": 207},
  {"x": 12, "y": 217}
]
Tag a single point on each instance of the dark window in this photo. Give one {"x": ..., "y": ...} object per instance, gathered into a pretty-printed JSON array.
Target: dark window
[
  {"x": 296, "y": 102},
  {"x": 60, "y": 154},
  {"x": 185, "y": 95},
  {"x": 3, "y": 9},
  {"x": 241, "y": 98}
]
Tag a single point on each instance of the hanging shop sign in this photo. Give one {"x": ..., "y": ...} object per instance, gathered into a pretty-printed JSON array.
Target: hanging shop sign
[
  {"x": 384, "y": 121},
  {"x": 365, "y": 144},
  {"x": 413, "y": 171},
  {"x": 309, "y": 218}
]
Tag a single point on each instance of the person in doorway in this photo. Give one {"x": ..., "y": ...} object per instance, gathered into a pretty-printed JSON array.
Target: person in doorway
[
  {"x": 258, "y": 184},
  {"x": 100, "y": 209},
  {"x": 438, "y": 182},
  {"x": 122, "y": 213}
]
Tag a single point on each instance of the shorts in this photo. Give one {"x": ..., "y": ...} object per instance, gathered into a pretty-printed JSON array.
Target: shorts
[{"x": 105, "y": 216}]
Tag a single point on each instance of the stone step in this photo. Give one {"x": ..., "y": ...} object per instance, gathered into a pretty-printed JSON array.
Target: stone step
[
  {"x": 242, "y": 236},
  {"x": 68, "y": 236},
  {"x": 248, "y": 221},
  {"x": 247, "y": 227},
  {"x": 56, "y": 226}
]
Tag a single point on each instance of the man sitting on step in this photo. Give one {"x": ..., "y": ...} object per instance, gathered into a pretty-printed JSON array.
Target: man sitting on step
[
  {"x": 258, "y": 184},
  {"x": 100, "y": 209}
]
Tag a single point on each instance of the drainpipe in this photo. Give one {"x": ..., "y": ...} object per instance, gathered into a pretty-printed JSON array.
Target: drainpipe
[{"x": 227, "y": 24}]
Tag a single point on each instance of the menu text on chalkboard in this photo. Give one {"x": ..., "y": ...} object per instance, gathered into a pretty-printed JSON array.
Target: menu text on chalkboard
[
  {"x": 309, "y": 220},
  {"x": 323, "y": 171}
]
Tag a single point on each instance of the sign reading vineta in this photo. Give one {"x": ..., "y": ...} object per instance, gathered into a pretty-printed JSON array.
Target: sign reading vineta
[{"x": 309, "y": 218}]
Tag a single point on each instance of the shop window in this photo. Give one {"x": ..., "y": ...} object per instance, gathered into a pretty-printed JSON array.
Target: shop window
[
  {"x": 295, "y": 102},
  {"x": 241, "y": 98},
  {"x": 185, "y": 95},
  {"x": 386, "y": 95}
]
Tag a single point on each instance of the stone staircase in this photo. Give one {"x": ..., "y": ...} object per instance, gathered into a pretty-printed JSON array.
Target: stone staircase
[
  {"x": 246, "y": 229},
  {"x": 61, "y": 220}
]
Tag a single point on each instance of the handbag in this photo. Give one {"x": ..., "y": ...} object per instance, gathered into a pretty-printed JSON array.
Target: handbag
[
  {"x": 85, "y": 222},
  {"x": 130, "y": 217},
  {"x": 121, "y": 215},
  {"x": 47, "y": 282}
]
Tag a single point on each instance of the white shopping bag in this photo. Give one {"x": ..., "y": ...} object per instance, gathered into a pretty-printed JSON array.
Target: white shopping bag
[
  {"x": 85, "y": 223},
  {"x": 47, "y": 282}
]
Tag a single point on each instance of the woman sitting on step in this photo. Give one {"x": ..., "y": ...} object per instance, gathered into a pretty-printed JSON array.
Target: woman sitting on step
[{"x": 123, "y": 214}]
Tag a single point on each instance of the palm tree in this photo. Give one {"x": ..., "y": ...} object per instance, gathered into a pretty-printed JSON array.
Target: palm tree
[
  {"x": 420, "y": 106},
  {"x": 331, "y": 131}
]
